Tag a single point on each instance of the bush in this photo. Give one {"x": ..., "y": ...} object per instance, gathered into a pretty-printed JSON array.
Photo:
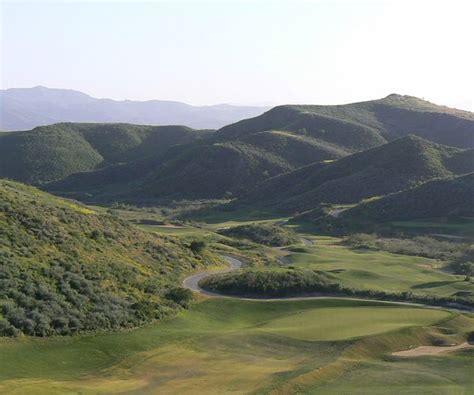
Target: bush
[
  {"x": 197, "y": 246},
  {"x": 181, "y": 296},
  {"x": 470, "y": 338},
  {"x": 95, "y": 235},
  {"x": 6, "y": 329}
]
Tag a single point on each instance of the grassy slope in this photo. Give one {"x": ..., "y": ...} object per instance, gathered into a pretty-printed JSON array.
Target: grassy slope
[
  {"x": 245, "y": 154},
  {"x": 378, "y": 270},
  {"x": 200, "y": 171},
  {"x": 392, "y": 167},
  {"x": 221, "y": 346},
  {"x": 450, "y": 226},
  {"x": 438, "y": 198},
  {"x": 50, "y": 153},
  {"x": 385, "y": 119},
  {"x": 66, "y": 268}
]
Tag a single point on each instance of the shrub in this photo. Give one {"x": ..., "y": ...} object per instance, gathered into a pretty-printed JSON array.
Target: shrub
[
  {"x": 95, "y": 235},
  {"x": 197, "y": 246},
  {"x": 181, "y": 296}
]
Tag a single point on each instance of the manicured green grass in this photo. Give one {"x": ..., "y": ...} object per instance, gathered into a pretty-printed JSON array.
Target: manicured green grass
[
  {"x": 459, "y": 226},
  {"x": 220, "y": 345},
  {"x": 447, "y": 374},
  {"x": 349, "y": 322},
  {"x": 379, "y": 270},
  {"x": 215, "y": 219}
]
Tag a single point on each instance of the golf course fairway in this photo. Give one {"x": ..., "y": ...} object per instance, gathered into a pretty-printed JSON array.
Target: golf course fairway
[{"x": 220, "y": 345}]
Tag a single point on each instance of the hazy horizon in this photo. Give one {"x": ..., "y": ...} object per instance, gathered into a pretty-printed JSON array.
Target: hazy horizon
[{"x": 236, "y": 52}]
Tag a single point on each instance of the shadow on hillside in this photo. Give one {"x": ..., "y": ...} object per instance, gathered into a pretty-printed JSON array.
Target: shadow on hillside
[{"x": 434, "y": 284}]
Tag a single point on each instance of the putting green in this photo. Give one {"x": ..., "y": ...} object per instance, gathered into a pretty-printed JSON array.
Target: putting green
[{"x": 343, "y": 323}]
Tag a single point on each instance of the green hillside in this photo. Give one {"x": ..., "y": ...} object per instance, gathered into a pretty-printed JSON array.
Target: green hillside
[
  {"x": 241, "y": 156},
  {"x": 364, "y": 124},
  {"x": 66, "y": 268},
  {"x": 437, "y": 198},
  {"x": 395, "y": 166},
  {"x": 352, "y": 136},
  {"x": 201, "y": 170},
  {"x": 50, "y": 153}
]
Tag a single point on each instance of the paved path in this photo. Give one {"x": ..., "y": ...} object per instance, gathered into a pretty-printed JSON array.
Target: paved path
[{"x": 192, "y": 283}]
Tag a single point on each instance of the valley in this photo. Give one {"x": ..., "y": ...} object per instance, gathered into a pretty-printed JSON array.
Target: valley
[
  {"x": 264, "y": 346},
  {"x": 236, "y": 197},
  {"x": 307, "y": 250}
]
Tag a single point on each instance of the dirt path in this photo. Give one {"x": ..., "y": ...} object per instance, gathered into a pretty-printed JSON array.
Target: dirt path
[{"x": 431, "y": 350}]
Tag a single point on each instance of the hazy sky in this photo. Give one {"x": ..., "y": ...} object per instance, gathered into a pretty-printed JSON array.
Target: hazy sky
[{"x": 205, "y": 52}]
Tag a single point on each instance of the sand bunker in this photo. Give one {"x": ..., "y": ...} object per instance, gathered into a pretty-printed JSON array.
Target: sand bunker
[{"x": 431, "y": 350}]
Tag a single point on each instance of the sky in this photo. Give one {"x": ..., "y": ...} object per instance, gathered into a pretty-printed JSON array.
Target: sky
[{"x": 243, "y": 52}]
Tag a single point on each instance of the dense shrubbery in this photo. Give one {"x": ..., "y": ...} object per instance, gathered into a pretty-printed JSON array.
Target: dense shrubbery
[
  {"x": 182, "y": 296},
  {"x": 464, "y": 264},
  {"x": 66, "y": 269},
  {"x": 270, "y": 235},
  {"x": 304, "y": 282},
  {"x": 197, "y": 246},
  {"x": 267, "y": 283}
]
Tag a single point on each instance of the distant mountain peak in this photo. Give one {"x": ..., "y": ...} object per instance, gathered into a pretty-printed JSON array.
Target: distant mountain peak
[{"x": 26, "y": 108}]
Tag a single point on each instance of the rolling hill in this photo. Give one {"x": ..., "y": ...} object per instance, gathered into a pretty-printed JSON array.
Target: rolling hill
[
  {"x": 241, "y": 156},
  {"x": 398, "y": 165},
  {"x": 65, "y": 268},
  {"x": 26, "y": 108},
  {"x": 207, "y": 169},
  {"x": 50, "y": 153},
  {"x": 358, "y": 126},
  {"x": 436, "y": 198}
]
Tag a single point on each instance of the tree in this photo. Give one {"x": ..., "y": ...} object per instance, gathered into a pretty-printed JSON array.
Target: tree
[
  {"x": 197, "y": 246},
  {"x": 468, "y": 269}
]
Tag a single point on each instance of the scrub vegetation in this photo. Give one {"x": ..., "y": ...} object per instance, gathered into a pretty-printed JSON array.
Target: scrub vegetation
[{"x": 66, "y": 268}]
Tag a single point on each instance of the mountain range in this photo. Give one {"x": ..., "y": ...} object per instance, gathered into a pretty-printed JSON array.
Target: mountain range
[
  {"x": 238, "y": 158},
  {"x": 290, "y": 159},
  {"x": 26, "y": 108}
]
